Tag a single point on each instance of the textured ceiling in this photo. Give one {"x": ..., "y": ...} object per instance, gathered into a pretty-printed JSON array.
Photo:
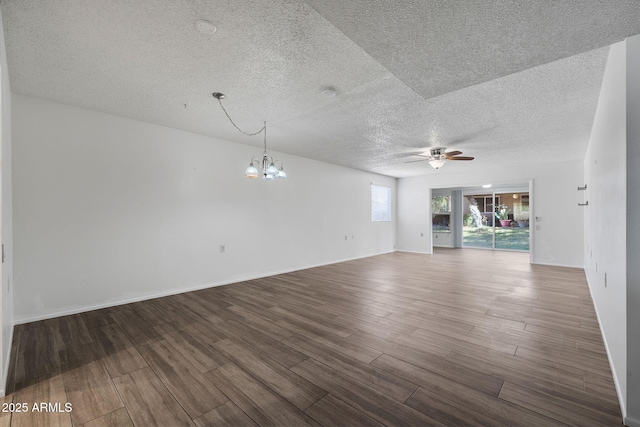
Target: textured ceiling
[
  {"x": 440, "y": 46},
  {"x": 508, "y": 82}
]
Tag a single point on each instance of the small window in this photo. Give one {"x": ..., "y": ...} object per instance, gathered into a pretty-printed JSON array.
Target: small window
[
  {"x": 380, "y": 203},
  {"x": 441, "y": 214}
]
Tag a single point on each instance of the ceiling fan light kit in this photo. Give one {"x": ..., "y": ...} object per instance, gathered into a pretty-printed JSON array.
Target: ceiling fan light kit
[
  {"x": 267, "y": 164},
  {"x": 437, "y": 163},
  {"x": 438, "y": 156}
]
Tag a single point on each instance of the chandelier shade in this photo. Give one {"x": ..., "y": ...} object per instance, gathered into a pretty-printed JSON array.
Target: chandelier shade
[{"x": 251, "y": 171}]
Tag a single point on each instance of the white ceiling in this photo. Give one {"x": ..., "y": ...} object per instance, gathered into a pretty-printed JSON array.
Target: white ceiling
[{"x": 508, "y": 82}]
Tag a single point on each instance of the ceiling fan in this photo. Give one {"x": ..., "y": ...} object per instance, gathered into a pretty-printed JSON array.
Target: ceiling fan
[{"x": 438, "y": 157}]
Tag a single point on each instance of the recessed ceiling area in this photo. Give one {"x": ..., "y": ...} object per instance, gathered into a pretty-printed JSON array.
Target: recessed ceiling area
[{"x": 363, "y": 84}]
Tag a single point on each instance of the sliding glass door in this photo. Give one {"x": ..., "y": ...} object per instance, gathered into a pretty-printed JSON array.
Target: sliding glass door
[
  {"x": 512, "y": 227},
  {"x": 478, "y": 220},
  {"x": 496, "y": 220}
]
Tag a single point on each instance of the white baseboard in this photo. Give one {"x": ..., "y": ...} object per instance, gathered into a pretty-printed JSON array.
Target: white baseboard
[
  {"x": 5, "y": 371},
  {"x": 415, "y": 252},
  {"x": 550, "y": 264},
  {"x": 619, "y": 391},
  {"x": 28, "y": 319}
]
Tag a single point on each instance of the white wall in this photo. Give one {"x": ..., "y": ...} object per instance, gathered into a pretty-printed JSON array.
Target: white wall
[
  {"x": 554, "y": 200},
  {"x": 633, "y": 231},
  {"x": 443, "y": 240},
  {"x": 6, "y": 290},
  {"x": 605, "y": 217},
  {"x": 109, "y": 210},
  {"x": 414, "y": 215}
]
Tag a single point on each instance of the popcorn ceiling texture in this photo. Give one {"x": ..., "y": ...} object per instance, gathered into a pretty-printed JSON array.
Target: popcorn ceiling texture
[
  {"x": 440, "y": 46},
  {"x": 504, "y": 81}
]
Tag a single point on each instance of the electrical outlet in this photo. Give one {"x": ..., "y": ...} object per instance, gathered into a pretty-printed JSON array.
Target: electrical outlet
[
  {"x": 537, "y": 227},
  {"x": 222, "y": 249}
]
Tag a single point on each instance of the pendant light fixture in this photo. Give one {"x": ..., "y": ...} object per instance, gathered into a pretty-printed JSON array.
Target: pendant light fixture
[{"x": 267, "y": 165}]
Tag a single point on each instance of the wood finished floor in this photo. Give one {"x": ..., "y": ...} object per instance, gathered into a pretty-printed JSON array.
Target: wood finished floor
[{"x": 461, "y": 337}]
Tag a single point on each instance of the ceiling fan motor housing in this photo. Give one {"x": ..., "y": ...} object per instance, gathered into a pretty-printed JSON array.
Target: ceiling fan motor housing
[{"x": 437, "y": 152}]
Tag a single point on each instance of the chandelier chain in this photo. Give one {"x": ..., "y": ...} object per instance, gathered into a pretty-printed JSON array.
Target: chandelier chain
[{"x": 263, "y": 128}]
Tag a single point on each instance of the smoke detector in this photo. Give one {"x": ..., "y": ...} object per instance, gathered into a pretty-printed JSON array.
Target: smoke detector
[
  {"x": 205, "y": 27},
  {"x": 329, "y": 92}
]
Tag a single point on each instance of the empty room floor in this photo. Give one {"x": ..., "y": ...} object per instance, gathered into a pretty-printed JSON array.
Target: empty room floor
[{"x": 460, "y": 337}]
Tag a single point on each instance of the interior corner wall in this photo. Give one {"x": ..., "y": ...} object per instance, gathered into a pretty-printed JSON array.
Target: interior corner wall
[
  {"x": 554, "y": 201},
  {"x": 605, "y": 217},
  {"x": 633, "y": 231},
  {"x": 6, "y": 290},
  {"x": 110, "y": 210}
]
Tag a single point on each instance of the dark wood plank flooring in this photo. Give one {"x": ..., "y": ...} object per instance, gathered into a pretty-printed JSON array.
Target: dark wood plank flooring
[{"x": 458, "y": 338}]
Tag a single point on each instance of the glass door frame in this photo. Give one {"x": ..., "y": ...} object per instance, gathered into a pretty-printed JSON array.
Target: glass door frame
[{"x": 496, "y": 195}]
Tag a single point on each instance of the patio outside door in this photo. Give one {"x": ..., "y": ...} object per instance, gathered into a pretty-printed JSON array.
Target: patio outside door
[{"x": 496, "y": 220}]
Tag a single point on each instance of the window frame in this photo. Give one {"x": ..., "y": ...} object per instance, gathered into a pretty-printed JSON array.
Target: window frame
[{"x": 381, "y": 203}]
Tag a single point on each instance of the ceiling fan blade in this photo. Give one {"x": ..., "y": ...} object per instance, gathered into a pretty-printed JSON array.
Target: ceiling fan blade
[
  {"x": 460, "y": 158},
  {"x": 452, "y": 153},
  {"x": 414, "y": 161}
]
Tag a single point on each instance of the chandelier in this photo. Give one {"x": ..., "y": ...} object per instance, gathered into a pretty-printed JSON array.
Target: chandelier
[{"x": 265, "y": 166}]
